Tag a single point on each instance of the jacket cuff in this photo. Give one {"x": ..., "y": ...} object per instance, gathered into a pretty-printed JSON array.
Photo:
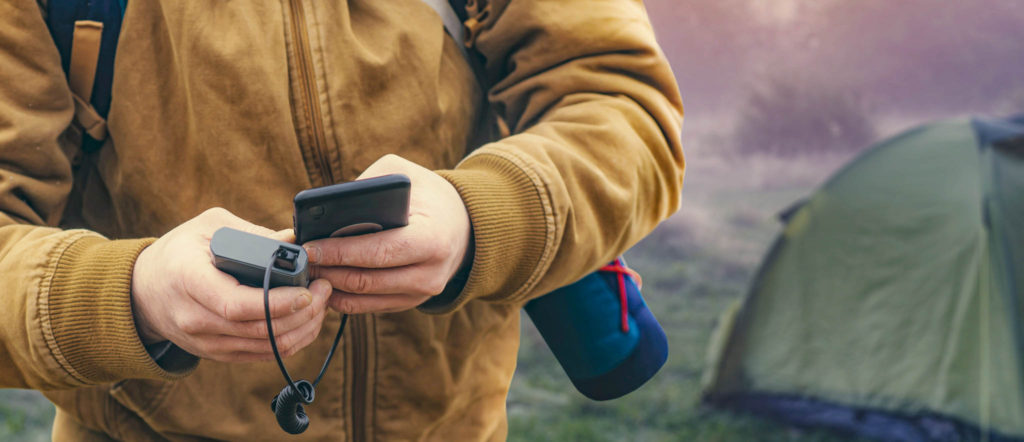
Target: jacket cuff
[
  {"x": 513, "y": 229},
  {"x": 89, "y": 312}
]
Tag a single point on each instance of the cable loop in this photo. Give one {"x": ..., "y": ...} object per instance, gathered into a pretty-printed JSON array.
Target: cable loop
[{"x": 288, "y": 404}]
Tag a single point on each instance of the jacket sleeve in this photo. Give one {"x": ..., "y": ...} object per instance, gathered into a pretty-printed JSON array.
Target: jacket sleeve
[
  {"x": 65, "y": 304},
  {"x": 594, "y": 161}
]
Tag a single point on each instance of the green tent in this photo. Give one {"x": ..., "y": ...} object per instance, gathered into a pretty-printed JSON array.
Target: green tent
[{"x": 891, "y": 304}]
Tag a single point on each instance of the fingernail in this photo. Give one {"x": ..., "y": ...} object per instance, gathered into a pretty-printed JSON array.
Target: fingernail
[
  {"x": 314, "y": 254},
  {"x": 302, "y": 301}
]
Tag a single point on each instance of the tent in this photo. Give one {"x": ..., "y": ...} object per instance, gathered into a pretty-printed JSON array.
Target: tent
[{"x": 891, "y": 304}]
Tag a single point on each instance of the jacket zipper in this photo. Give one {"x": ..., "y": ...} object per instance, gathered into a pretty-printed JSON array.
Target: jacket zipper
[
  {"x": 357, "y": 380},
  {"x": 309, "y": 91}
]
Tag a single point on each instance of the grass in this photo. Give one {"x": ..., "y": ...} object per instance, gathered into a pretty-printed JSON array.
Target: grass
[{"x": 25, "y": 416}]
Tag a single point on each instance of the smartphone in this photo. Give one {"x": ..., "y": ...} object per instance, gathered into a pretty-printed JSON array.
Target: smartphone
[{"x": 352, "y": 208}]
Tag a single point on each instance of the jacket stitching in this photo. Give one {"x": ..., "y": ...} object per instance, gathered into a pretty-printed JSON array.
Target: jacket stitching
[
  {"x": 143, "y": 408},
  {"x": 159, "y": 399},
  {"x": 544, "y": 261},
  {"x": 292, "y": 48},
  {"x": 317, "y": 56},
  {"x": 550, "y": 221},
  {"x": 43, "y": 303},
  {"x": 113, "y": 419}
]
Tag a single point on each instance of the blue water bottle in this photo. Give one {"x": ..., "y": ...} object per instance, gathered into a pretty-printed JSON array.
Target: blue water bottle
[{"x": 602, "y": 332}]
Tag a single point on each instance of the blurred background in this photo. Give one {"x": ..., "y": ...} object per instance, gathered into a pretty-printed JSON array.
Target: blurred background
[{"x": 778, "y": 94}]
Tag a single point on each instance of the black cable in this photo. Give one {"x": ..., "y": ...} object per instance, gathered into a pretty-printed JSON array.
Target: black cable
[
  {"x": 287, "y": 405},
  {"x": 330, "y": 354}
]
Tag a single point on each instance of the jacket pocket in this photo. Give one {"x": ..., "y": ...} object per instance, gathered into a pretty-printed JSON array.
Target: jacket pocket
[{"x": 144, "y": 397}]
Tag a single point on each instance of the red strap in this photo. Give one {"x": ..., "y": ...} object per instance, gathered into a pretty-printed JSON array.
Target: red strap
[{"x": 620, "y": 269}]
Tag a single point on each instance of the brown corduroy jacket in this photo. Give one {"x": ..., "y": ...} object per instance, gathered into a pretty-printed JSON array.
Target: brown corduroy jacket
[{"x": 241, "y": 104}]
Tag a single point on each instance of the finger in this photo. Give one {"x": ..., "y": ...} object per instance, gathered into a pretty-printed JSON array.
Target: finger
[
  {"x": 242, "y": 357},
  {"x": 412, "y": 280},
  {"x": 287, "y": 343},
  {"x": 257, "y": 329},
  {"x": 390, "y": 248},
  {"x": 300, "y": 338},
  {"x": 212, "y": 325},
  {"x": 198, "y": 321},
  {"x": 224, "y": 296},
  {"x": 352, "y": 304},
  {"x": 215, "y": 346}
]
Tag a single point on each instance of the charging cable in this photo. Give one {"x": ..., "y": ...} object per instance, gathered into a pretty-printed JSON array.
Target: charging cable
[{"x": 288, "y": 404}]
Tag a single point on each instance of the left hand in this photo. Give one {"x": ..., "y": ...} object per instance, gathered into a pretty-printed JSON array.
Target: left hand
[{"x": 398, "y": 269}]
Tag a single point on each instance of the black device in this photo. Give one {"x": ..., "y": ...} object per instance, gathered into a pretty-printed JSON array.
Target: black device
[
  {"x": 245, "y": 256},
  {"x": 256, "y": 260},
  {"x": 352, "y": 208}
]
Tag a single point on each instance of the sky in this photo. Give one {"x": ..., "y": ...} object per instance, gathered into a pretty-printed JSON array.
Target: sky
[{"x": 925, "y": 58}]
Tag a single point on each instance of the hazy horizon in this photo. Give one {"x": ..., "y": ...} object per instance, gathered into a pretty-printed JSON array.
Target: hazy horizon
[{"x": 919, "y": 59}]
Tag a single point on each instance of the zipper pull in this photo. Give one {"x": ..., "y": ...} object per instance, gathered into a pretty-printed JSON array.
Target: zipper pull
[{"x": 478, "y": 13}]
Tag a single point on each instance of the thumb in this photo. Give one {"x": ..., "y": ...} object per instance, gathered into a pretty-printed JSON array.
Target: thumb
[
  {"x": 286, "y": 235},
  {"x": 221, "y": 217}
]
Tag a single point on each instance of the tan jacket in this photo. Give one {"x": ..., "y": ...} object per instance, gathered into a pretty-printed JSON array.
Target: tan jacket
[{"x": 241, "y": 104}]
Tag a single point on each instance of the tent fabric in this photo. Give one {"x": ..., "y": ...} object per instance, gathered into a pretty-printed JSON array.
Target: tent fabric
[
  {"x": 887, "y": 426},
  {"x": 991, "y": 131},
  {"x": 896, "y": 287}
]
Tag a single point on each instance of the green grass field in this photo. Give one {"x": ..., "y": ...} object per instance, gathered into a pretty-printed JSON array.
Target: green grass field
[
  {"x": 24, "y": 416},
  {"x": 694, "y": 266}
]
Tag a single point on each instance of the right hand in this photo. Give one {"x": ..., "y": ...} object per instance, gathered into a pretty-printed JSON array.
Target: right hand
[{"x": 178, "y": 295}]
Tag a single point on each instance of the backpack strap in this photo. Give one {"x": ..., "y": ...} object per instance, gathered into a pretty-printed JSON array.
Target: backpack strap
[
  {"x": 448, "y": 10},
  {"x": 85, "y": 33},
  {"x": 453, "y": 14},
  {"x": 85, "y": 55}
]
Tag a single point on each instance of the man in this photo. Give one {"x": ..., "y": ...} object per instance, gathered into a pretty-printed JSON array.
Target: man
[{"x": 239, "y": 105}]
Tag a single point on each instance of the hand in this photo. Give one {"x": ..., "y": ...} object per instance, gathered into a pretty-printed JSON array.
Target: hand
[
  {"x": 178, "y": 295},
  {"x": 398, "y": 269}
]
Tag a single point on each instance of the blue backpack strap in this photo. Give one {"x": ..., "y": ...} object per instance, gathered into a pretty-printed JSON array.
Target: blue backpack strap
[{"x": 63, "y": 17}]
